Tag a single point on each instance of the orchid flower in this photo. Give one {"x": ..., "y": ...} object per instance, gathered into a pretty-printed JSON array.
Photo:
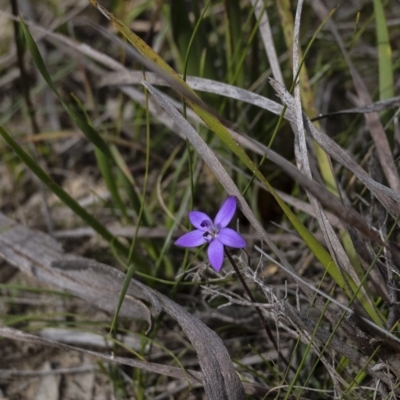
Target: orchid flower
[{"x": 216, "y": 233}]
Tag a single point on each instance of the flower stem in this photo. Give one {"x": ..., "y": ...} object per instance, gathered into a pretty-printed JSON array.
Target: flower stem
[{"x": 252, "y": 299}]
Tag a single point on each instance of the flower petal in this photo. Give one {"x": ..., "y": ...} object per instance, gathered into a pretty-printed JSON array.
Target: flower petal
[
  {"x": 231, "y": 238},
  {"x": 192, "y": 239},
  {"x": 197, "y": 217},
  {"x": 226, "y": 212},
  {"x": 216, "y": 254}
]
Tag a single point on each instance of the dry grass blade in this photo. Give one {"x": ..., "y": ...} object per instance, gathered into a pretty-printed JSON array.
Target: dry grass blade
[
  {"x": 388, "y": 197},
  {"x": 204, "y": 85},
  {"x": 378, "y": 106},
  {"x": 373, "y": 122},
  {"x": 191, "y": 376},
  {"x": 39, "y": 255},
  {"x": 260, "y": 12},
  {"x": 33, "y": 252},
  {"x": 334, "y": 245}
]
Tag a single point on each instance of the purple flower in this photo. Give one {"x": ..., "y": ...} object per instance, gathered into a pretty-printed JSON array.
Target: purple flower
[{"x": 216, "y": 233}]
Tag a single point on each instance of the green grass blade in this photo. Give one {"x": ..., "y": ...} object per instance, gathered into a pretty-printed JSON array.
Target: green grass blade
[
  {"x": 182, "y": 27},
  {"x": 191, "y": 45},
  {"x": 86, "y": 129},
  {"x": 62, "y": 194},
  {"x": 386, "y": 83}
]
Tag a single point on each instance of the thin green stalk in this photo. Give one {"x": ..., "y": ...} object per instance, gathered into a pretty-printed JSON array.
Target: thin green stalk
[
  {"x": 132, "y": 267},
  {"x": 146, "y": 176}
]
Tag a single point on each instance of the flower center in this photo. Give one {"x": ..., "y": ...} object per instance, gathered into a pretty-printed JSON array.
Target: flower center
[{"x": 211, "y": 232}]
